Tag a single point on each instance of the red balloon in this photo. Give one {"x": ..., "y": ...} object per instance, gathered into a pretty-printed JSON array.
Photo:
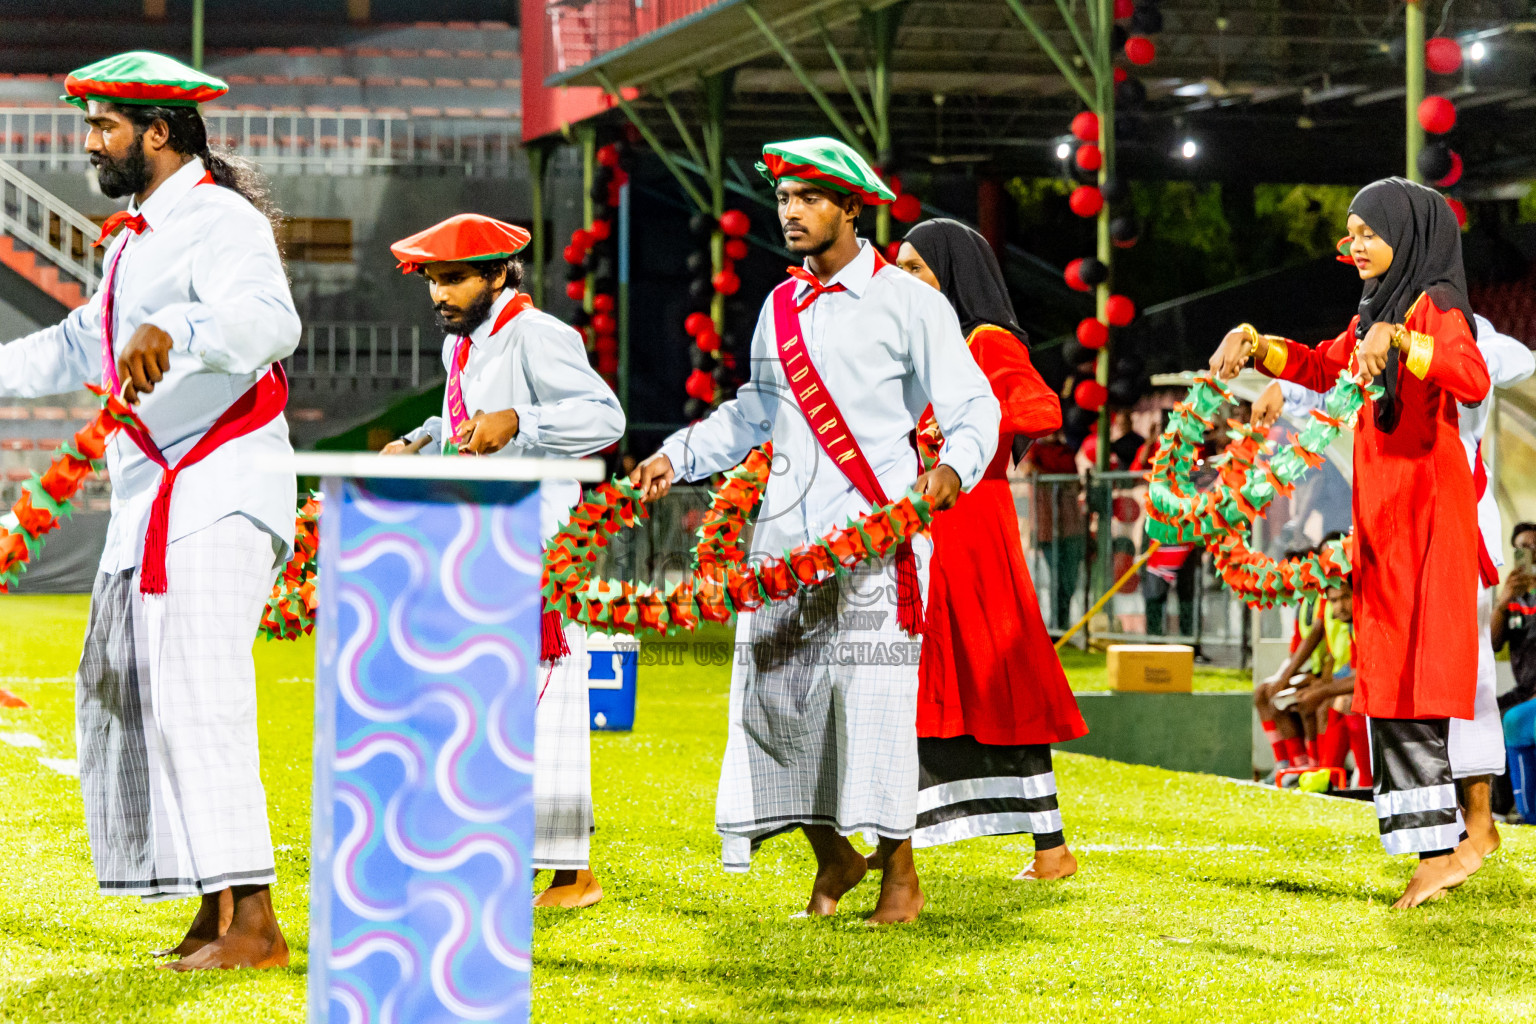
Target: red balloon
[
  {"x": 1119, "y": 310},
  {"x": 607, "y": 363},
  {"x": 708, "y": 341},
  {"x": 1459, "y": 208},
  {"x": 1121, "y": 75},
  {"x": 1091, "y": 395},
  {"x": 600, "y": 230},
  {"x": 1090, "y": 157},
  {"x": 701, "y": 386},
  {"x": 603, "y": 323},
  {"x": 1437, "y": 115},
  {"x": 606, "y": 343},
  {"x": 602, "y": 303},
  {"x": 581, "y": 238},
  {"x": 573, "y": 254},
  {"x": 575, "y": 290},
  {"x": 1124, "y": 9},
  {"x": 697, "y": 323},
  {"x": 1140, "y": 50},
  {"x": 907, "y": 208},
  {"x": 1086, "y": 201},
  {"x": 892, "y": 250},
  {"x": 736, "y": 249},
  {"x": 1442, "y": 55},
  {"x": 726, "y": 282},
  {"x": 1085, "y": 126},
  {"x": 608, "y": 155},
  {"x": 1073, "y": 275},
  {"x": 735, "y": 223},
  {"x": 1091, "y": 333},
  {"x": 1455, "y": 172}
]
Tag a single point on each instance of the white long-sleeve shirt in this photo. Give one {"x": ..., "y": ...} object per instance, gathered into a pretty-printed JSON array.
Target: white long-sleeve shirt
[
  {"x": 1509, "y": 363},
  {"x": 885, "y": 348},
  {"x": 536, "y": 366},
  {"x": 207, "y": 272}
]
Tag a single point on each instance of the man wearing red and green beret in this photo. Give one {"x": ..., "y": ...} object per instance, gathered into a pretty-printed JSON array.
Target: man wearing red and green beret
[
  {"x": 846, "y": 356},
  {"x": 190, "y": 324},
  {"x": 519, "y": 384}
]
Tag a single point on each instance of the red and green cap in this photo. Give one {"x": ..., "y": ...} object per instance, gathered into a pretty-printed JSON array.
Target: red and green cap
[
  {"x": 826, "y": 163},
  {"x": 462, "y": 238},
  {"x": 144, "y": 78}
]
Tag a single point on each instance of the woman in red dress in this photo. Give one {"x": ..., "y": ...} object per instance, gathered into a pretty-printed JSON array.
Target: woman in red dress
[
  {"x": 1415, "y": 509},
  {"x": 992, "y": 695}
]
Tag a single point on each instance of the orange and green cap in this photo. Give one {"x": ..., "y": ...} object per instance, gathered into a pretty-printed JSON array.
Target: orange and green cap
[
  {"x": 144, "y": 78},
  {"x": 827, "y": 163}
]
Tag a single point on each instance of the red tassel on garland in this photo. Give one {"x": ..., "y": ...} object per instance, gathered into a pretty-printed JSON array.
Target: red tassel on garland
[{"x": 552, "y": 642}]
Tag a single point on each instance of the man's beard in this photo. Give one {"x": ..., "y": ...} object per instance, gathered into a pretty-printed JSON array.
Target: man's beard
[
  {"x": 472, "y": 316},
  {"x": 125, "y": 177},
  {"x": 809, "y": 246}
]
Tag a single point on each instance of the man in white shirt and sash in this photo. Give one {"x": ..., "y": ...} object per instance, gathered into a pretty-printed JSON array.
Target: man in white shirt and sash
[
  {"x": 846, "y": 356},
  {"x": 545, "y": 401},
  {"x": 190, "y": 325}
]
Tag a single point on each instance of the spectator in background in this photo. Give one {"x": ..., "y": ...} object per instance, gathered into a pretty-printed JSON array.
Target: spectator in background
[
  {"x": 1514, "y": 623},
  {"x": 1060, "y": 526}
]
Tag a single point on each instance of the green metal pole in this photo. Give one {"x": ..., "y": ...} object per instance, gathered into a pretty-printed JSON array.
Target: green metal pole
[
  {"x": 1414, "y": 59},
  {"x": 883, "y": 28},
  {"x": 197, "y": 34},
  {"x": 586, "y": 135},
  {"x": 537, "y": 160},
  {"x": 716, "y": 94},
  {"x": 1104, "y": 84}
]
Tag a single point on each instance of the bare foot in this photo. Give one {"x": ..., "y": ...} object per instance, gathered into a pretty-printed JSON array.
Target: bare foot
[
  {"x": 1475, "y": 796},
  {"x": 1049, "y": 865},
  {"x": 1486, "y": 842},
  {"x": 1434, "y": 876},
  {"x": 253, "y": 938},
  {"x": 1470, "y": 857},
  {"x": 570, "y": 890},
  {"x": 833, "y": 879},
  {"x": 214, "y": 914},
  {"x": 876, "y": 859},
  {"x": 901, "y": 897}
]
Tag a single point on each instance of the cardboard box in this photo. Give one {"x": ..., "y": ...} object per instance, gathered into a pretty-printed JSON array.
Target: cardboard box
[{"x": 1151, "y": 668}]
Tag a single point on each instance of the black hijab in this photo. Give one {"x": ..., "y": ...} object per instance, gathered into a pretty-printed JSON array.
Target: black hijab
[
  {"x": 1426, "y": 258},
  {"x": 968, "y": 274}
]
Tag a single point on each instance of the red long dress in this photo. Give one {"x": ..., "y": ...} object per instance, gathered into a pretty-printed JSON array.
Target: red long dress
[
  {"x": 1416, "y": 572},
  {"x": 988, "y": 667}
]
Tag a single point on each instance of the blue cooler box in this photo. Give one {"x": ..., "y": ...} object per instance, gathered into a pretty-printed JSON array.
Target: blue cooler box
[{"x": 611, "y": 668}]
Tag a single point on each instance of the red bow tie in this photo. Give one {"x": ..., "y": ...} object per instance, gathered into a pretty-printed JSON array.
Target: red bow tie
[
  {"x": 121, "y": 219},
  {"x": 817, "y": 288}
]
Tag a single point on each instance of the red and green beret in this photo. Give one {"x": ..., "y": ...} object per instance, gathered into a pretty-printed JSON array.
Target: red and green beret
[
  {"x": 144, "y": 78},
  {"x": 827, "y": 163},
  {"x": 463, "y": 238}
]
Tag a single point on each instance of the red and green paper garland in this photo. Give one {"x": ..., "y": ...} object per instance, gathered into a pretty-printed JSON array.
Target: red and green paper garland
[
  {"x": 1222, "y": 517},
  {"x": 290, "y": 611},
  {"x": 48, "y": 498},
  {"x": 721, "y": 585}
]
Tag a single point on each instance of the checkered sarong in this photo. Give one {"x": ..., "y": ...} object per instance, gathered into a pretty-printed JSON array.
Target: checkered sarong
[
  {"x": 562, "y": 762},
  {"x": 823, "y": 718},
  {"x": 166, "y": 720}
]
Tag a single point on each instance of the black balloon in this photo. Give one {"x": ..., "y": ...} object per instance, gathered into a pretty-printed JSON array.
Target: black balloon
[
  {"x": 693, "y": 409},
  {"x": 701, "y": 226},
  {"x": 1434, "y": 161},
  {"x": 699, "y": 359},
  {"x": 700, "y": 289},
  {"x": 1128, "y": 365},
  {"x": 1147, "y": 21},
  {"x": 697, "y": 262},
  {"x": 1074, "y": 354},
  {"x": 575, "y": 271},
  {"x": 629, "y": 158},
  {"x": 1077, "y": 420},
  {"x": 1124, "y": 230},
  {"x": 1117, "y": 37},
  {"x": 1093, "y": 271},
  {"x": 1131, "y": 94},
  {"x": 1125, "y": 391},
  {"x": 581, "y": 317},
  {"x": 1113, "y": 189}
]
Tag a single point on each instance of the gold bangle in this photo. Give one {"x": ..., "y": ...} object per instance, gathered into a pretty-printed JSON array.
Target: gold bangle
[{"x": 1275, "y": 356}]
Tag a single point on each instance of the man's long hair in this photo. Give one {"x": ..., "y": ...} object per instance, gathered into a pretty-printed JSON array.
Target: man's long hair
[{"x": 189, "y": 137}]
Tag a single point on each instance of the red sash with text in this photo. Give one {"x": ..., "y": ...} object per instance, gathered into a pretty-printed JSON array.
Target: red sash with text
[
  {"x": 260, "y": 404},
  {"x": 832, "y": 433}
]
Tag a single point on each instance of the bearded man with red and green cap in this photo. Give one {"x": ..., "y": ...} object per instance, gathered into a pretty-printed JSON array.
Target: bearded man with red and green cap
[
  {"x": 190, "y": 324},
  {"x": 519, "y": 384},
  {"x": 847, "y": 354}
]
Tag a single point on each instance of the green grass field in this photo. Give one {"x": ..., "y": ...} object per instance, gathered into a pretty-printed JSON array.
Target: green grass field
[{"x": 1198, "y": 899}]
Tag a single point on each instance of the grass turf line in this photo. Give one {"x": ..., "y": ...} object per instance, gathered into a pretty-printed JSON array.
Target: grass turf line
[{"x": 1197, "y": 899}]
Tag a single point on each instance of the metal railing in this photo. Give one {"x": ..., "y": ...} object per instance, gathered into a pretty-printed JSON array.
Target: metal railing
[
  {"x": 51, "y": 227},
  {"x": 364, "y": 351},
  {"x": 580, "y": 32},
  {"x": 294, "y": 141}
]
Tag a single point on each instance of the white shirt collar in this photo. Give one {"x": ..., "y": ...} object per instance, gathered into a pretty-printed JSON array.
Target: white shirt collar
[
  {"x": 483, "y": 333},
  {"x": 855, "y": 276},
  {"x": 171, "y": 191}
]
